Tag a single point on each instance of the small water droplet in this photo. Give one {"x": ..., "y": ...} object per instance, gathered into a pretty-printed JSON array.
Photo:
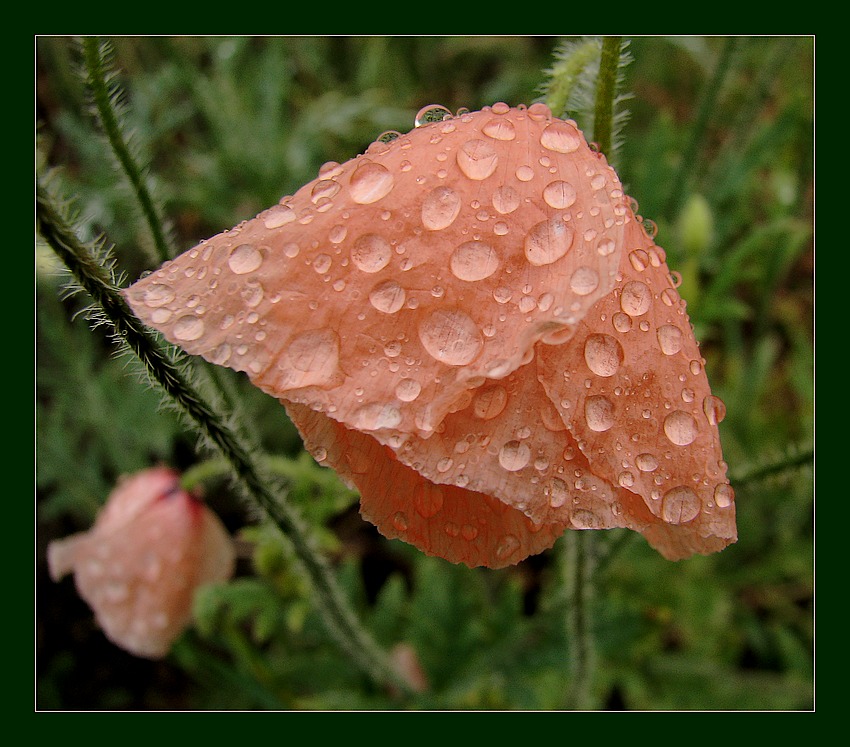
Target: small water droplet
[
  {"x": 603, "y": 354},
  {"x": 400, "y": 521},
  {"x": 451, "y": 337},
  {"x": 622, "y": 322},
  {"x": 188, "y": 328},
  {"x": 500, "y": 128},
  {"x": 428, "y": 500},
  {"x": 548, "y": 241},
  {"x": 370, "y": 182},
  {"x": 583, "y": 518},
  {"x": 680, "y": 428},
  {"x": 646, "y": 462},
  {"x": 408, "y": 390},
  {"x": 440, "y": 208},
  {"x": 376, "y": 416},
  {"x": 626, "y": 479},
  {"x": 506, "y": 199},
  {"x": 714, "y": 409},
  {"x": 490, "y": 402},
  {"x": 431, "y": 113},
  {"x": 680, "y": 505},
  {"x": 371, "y": 252},
  {"x": 474, "y": 260},
  {"x": 387, "y": 297},
  {"x": 560, "y": 137},
  {"x": 599, "y": 413},
  {"x": 559, "y": 194},
  {"x": 670, "y": 339},
  {"x": 158, "y": 294},
  {"x": 584, "y": 281},
  {"x": 477, "y": 159},
  {"x": 322, "y": 263},
  {"x": 278, "y": 216},
  {"x": 507, "y": 546},
  {"x": 724, "y": 495},
  {"x": 636, "y": 298},
  {"x": 514, "y": 455},
  {"x": 525, "y": 173}
]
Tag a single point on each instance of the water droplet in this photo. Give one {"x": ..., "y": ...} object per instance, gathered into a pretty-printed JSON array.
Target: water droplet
[
  {"x": 583, "y": 518},
  {"x": 188, "y": 328},
  {"x": 548, "y": 241},
  {"x": 695, "y": 367},
  {"x": 428, "y": 500},
  {"x": 584, "y": 281},
  {"x": 558, "y": 492},
  {"x": 599, "y": 413},
  {"x": 451, "y": 337},
  {"x": 440, "y": 208},
  {"x": 724, "y": 495},
  {"x": 400, "y": 521},
  {"x": 371, "y": 252},
  {"x": 291, "y": 250},
  {"x": 489, "y": 402},
  {"x": 408, "y": 390},
  {"x": 646, "y": 462},
  {"x": 506, "y": 199},
  {"x": 559, "y": 194},
  {"x": 636, "y": 298},
  {"x": 431, "y": 113},
  {"x": 622, "y": 322},
  {"x": 337, "y": 234},
  {"x": 375, "y": 416},
  {"x": 499, "y": 128},
  {"x": 680, "y": 427},
  {"x": 680, "y": 505},
  {"x": 714, "y": 409},
  {"x": 388, "y": 136},
  {"x": 626, "y": 479},
  {"x": 514, "y": 455},
  {"x": 477, "y": 159},
  {"x": 473, "y": 261},
  {"x": 278, "y": 216},
  {"x": 670, "y": 339},
  {"x": 500, "y": 107},
  {"x": 525, "y": 173},
  {"x": 507, "y": 546},
  {"x": 387, "y": 297},
  {"x": 324, "y": 189},
  {"x": 312, "y": 358},
  {"x": 370, "y": 182},
  {"x": 322, "y": 263},
  {"x": 158, "y": 294},
  {"x": 244, "y": 258},
  {"x": 468, "y": 532},
  {"x": 603, "y": 354},
  {"x": 500, "y": 228},
  {"x": 560, "y": 137}
]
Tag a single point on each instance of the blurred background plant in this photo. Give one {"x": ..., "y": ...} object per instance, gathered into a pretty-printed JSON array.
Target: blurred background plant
[{"x": 718, "y": 151}]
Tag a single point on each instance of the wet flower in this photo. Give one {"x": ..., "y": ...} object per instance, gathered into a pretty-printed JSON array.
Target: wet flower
[
  {"x": 138, "y": 567},
  {"x": 472, "y": 325}
]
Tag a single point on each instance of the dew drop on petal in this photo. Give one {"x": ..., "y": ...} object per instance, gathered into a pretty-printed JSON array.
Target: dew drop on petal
[
  {"x": 507, "y": 546},
  {"x": 189, "y": 327},
  {"x": 370, "y": 182},
  {"x": 477, "y": 159},
  {"x": 680, "y": 428},
  {"x": 505, "y": 199},
  {"x": 489, "y": 402},
  {"x": 603, "y": 354},
  {"x": 371, "y": 252},
  {"x": 646, "y": 462},
  {"x": 724, "y": 495},
  {"x": 548, "y": 241},
  {"x": 278, "y": 216},
  {"x": 670, "y": 339},
  {"x": 408, "y": 390},
  {"x": 560, "y": 137},
  {"x": 440, "y": 208},
  {"x": 680, "y": 505},
  {"x": 499, "y": 128},
  {"x": 451, "y": 337},
  {"x": 583, "y": 518},
  {"x": 387, "y": 297},
  {"x": 584, "y": 281},
  {"x": 599, "y": 413},
  {"x": 431, "y": 113},
  {"x": 636, "y": 298},
  {"x": 244, "y": 258},
  {"x": 375, "y": 416},
  {"x": 158, "y": 294},
  {"x": 474, "y": 260},
  {"x": 559, "y": 194},
  {"x": 514, "y": 455},
  {"x": 428, "y": 500},
  {"x": 714, "y": 409}
]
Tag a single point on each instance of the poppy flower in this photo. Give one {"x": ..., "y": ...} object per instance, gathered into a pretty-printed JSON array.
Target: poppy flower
[
  {"x": 471, "y": 325},
  {"x": 138, "y": 567}
]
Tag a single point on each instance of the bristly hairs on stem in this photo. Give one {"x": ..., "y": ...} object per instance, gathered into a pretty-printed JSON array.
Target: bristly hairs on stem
[
  {"x": 109, "y": 110},
  {"x": 571, "y": 84},
  {"x": 775, "y": 468},
  {"x": 255, "y": 483}
]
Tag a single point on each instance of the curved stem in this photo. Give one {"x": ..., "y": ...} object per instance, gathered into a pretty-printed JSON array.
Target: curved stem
[
  {"x": 96, "y": 78},
  {"x": 578, "y": 571},
  {"x": 340, "y": 619}
]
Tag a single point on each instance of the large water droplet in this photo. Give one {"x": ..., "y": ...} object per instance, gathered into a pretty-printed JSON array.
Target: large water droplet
[
  {"x": 599, "y": 413},
  {"x": 477, "y": 159},
  {"x": 451, "y": 337},
  {"x": 376, "y": 416},
  {"x": 724, "y": 495},
  {"x": 514, "y": 455},
  {"x": 371, "y": 252},
  {"x": 499, "y": 128},
  {"x": 506, "y": 199},
  {"x": 558, "y": 492},
  {"x": 680, "y": 427},
  {"x": 560, "y": 137},
  {"x": 428, "y": 500},
  {"x": 548, "y": 241},
  {"x": 158, "y": 294},
  {"x": 584, "y": 281},
  {"x": 408, "y": 390},
  {"x": 431, "y": 113},
  {"x": 188, "y": 328},
  {"x": 603, "y": 354},
  {"x": 636, "y": 298},
  {"x": 489, "y": 402},
  {"x": 680, "y": 505},
  {"x": 474, "y": 260},
  {"x": 278, "y": 216},
  {"x": 584, "y": 518},
  {"x": 646, "y": 462},
  {"x": 439, "y": 209},
  {"x": 387, "y": 297},
  {"x": 670, "y": 339},
  {"x": 559, "y": 194},
  {"x": 507, "y": 546},
  {"x": 244, "y": 258},
  {"x": 312, "y": 358},
  {"x": 370, "y": 182}
]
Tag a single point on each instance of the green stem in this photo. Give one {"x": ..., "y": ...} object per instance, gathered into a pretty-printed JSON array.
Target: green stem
[
  {"x": 778, "y": 466},
  {"x": 94, "y": 278},
  {"x": 96, "y": 71},
  {"x": 578, "y": 571},
  {"x": 606, "y": 86},
  {"x": 565, "y": 74}
]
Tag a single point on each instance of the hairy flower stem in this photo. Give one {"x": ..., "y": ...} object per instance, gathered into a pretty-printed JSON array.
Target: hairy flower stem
[
  {"x": 606, "y": 84},
  {"x": 96, "y": 79},
  {"x": 578, "y": 570},
  {"x": 96, "y": 280}
]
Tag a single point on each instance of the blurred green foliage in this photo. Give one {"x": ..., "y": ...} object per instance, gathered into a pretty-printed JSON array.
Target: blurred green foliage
[{"x": 718, "y": 152}]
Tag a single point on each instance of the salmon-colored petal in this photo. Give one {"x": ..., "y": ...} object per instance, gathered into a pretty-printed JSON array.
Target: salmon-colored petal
[
  {"x": 459, "y": 525},
  {"x": 632, "y": 389}
]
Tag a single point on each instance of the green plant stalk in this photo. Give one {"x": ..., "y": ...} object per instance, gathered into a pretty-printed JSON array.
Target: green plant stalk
[
  {"x": 564, "y": 75},
  {"x": 606, "y": 84},
  {"x": 94, "y": 278},
  {"x": 578, "y": 571},
  {"x": 773, "y": 468},
  {"x": 96, "y": 81}
]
